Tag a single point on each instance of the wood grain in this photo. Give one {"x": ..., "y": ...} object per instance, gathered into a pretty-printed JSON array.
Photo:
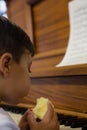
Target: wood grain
[
  {"x": 51, "y": 34},
  {"x": 73, "y": 70},
  {"x": 20, "y": 13},
  {"x": 68, "y": 93},
  {"x": 51, "y": 25}
]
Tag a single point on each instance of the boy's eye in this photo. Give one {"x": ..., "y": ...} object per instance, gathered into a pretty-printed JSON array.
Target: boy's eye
[{"x": 29, "y": 70}]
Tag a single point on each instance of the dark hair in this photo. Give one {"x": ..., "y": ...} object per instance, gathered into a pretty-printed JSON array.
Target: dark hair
[{"x": 13, "y": 39}]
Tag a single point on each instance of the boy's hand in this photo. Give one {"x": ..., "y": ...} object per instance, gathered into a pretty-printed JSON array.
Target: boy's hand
[
  {"x": 23, "y": 124},
  {"x": 49, "y": 121}
]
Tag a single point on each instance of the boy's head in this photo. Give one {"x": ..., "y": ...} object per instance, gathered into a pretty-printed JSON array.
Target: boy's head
[{"x": 16, "y": 51}]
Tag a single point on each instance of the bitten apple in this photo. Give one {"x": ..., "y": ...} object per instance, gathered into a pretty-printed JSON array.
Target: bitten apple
[{"x": 41, "y": 107}]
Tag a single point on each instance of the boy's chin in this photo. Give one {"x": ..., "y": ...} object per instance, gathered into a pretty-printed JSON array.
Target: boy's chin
[
  {"x": 11, "y": 101},
  {"x": 14, "y": 102}
]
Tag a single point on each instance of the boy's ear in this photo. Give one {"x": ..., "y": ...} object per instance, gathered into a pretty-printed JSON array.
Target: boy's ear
[{"x": 5, "y": 63}]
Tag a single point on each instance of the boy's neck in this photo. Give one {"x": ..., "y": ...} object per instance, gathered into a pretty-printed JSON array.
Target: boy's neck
[{"x": 1, "y": 90}]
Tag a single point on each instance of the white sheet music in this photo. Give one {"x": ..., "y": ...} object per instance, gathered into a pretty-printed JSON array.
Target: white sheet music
[{"x": 77, "y": 47}]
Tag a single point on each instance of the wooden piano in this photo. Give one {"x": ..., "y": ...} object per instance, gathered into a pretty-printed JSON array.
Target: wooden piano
[
  {"x": 66, "y": 86},
  {"x": 67, "y": 92}
]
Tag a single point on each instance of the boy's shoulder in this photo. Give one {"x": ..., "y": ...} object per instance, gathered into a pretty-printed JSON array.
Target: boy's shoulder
[{"x": 6, "y": 122}]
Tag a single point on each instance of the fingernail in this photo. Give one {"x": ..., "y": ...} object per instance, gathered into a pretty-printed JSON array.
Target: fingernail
[{"x": 29, "y": 110}]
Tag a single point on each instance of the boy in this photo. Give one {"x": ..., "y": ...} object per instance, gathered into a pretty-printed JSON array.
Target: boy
[{"x": 16, "y": 52}]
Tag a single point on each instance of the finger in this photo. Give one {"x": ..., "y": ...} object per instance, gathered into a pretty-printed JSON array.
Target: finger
[
  {"x": 31, "y": 119},
  {"x": 55, "y": 116},
  {"x": 24, "y": 117},
  {"x": 49, "y": 114},
  {"x": 24, "y": 126},
  {"x": 55, "y": 121}
]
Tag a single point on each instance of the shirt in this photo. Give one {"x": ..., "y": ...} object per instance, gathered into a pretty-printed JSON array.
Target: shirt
[{"x": 6, "y": 122}]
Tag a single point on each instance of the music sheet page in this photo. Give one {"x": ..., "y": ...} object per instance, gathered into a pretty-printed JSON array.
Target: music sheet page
[{"x": 77, "y": 46}]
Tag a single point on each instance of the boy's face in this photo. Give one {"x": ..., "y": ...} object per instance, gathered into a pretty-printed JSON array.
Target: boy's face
[{"x": 16, "y": 79}]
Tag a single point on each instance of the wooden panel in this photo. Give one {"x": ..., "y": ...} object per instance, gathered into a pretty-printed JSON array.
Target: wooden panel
[
  {"x": 51, "y": 25},
  {"x": 72, "y": 70},
  {"x": 51, "y": 34},
  {"x": 68, "y": 93},
  {"x": 20, "y": 13},
  {"x": 47, "y": 59},
  {"x": 15, "y": 6}
]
